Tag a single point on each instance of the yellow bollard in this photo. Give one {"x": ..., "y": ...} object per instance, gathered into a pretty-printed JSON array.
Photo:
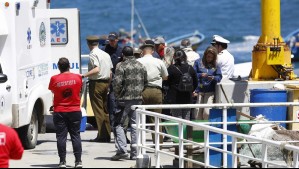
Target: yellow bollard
[{"x": 271, "y": 57}]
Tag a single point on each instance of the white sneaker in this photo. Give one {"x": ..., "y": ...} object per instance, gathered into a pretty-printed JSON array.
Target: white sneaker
[{"x": 62, "y": 165}]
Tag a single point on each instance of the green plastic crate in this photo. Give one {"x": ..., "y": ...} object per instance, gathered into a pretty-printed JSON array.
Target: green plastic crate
[{"x": 197, "y": 135}]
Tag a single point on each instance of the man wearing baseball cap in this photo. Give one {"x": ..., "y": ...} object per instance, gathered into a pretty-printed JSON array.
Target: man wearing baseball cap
[
  {"x": 114, "y": 50},
  {"x": 159, "y": 47},
  {"x": 225, "y": 60}
]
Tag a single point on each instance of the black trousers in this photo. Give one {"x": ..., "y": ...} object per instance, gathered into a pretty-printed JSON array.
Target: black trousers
[{"x": 68, "y": 123}]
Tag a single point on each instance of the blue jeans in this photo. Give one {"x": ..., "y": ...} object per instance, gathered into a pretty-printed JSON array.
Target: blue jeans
[{"x": 121, "y": 141}]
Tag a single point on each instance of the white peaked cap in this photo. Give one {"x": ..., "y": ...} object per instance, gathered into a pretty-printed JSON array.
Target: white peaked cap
[{"x": 220, "y": 39}]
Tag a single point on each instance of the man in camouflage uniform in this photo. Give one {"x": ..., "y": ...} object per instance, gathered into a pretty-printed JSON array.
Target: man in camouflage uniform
[{"x": 130, "y": 80}]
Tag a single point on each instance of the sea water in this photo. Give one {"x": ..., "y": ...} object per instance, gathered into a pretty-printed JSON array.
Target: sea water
[{"x": 237, "y": 20}]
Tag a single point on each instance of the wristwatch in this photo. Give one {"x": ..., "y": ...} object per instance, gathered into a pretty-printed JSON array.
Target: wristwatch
[{"x": 82, "y": 76}]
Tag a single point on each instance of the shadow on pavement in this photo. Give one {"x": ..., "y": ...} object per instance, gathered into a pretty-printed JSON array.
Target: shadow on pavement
[
  {"x": 45, "y": 141},
  {"x": 47, "y": 166},
  {"x": 103, "y": 158}
]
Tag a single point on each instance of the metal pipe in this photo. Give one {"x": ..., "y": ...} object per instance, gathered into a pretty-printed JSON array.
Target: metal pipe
[
  {"x": 229, "y": 123},
  {"x": 132, "y": 22},
  {"x": 265, "y": 155},
  {"x": 143, "y": 134},
  {"x": 207, "y": 151},
  {"x": 157, "y": 144},
  {"x": 139, "y": 135},
  {"x": 234, "y": 152},
  {"x": 224, "y": 117},
  {"x": 181, "y": 148},
  {"x": 219, "y": 105},
  {"x": 296, "y": 160},
  {"x": 217, "y": 130},
  {"x": 142, "y": 24},
  {"x": 215, "y": 149},
  {"x": 208, "y": 129}
]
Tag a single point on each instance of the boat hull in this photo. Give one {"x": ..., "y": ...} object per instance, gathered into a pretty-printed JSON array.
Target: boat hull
[
  {"x": 292, "y": 41},
  {"x": 195, "y": 38}
]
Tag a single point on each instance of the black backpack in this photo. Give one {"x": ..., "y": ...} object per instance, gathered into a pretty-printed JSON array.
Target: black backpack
[{"x": 186, "y": 82}]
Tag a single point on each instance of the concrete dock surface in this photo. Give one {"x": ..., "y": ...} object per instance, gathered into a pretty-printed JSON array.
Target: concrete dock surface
[{"x": 95, "y": 155}]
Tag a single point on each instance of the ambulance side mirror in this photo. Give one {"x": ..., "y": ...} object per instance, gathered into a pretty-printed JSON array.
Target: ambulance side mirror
[{"x": 3, "y": 78}]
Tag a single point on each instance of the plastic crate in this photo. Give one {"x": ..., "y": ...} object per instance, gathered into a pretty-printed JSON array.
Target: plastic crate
[{"x": 197, "y": 135}]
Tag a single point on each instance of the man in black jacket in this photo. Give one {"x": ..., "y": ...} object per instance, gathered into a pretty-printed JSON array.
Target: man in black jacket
[{"x": 114, "y": 50}]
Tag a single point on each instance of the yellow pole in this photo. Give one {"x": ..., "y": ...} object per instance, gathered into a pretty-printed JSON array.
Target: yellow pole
[
  {"x": 271, "y": 57},
  {"x": 270, "y": 10}
]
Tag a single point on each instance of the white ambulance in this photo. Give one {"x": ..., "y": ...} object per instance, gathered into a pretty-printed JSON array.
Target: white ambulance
[{"x": 32, "y": 39}]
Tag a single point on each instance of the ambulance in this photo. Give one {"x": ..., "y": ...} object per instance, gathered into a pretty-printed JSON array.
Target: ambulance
[{"x": 32, "y": 39}]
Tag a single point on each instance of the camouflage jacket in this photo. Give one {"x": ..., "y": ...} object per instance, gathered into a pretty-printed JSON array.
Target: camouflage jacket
[{"x": 130, "y": 80}]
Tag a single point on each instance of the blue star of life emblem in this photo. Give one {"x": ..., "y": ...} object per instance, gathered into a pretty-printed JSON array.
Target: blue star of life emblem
[
  {"x": 57, "y": 28},
  {"x": 29, "y": 35}
]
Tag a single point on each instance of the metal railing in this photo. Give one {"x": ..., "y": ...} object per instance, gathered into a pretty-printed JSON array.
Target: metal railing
[
  {"x": 141, "y": 113},
  {"x": 84, "y": 69}
]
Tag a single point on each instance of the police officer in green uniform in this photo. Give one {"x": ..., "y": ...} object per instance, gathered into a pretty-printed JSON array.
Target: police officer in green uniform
[{"x": 99, "y": 74}]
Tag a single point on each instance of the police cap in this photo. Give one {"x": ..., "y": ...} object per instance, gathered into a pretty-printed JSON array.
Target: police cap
[
  {"x": 93, "y": 40},
  {"x": 148, "y": 43}
]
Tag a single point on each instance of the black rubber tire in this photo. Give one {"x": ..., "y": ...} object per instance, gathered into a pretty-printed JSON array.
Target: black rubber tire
[{"x": 29, "y": 133}]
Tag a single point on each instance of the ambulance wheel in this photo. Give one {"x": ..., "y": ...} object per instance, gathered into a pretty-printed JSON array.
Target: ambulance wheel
[{"x": 28, "y": 134}]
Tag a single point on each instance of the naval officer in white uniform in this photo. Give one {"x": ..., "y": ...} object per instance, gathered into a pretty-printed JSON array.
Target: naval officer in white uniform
[{"x": 225, "y": 60}]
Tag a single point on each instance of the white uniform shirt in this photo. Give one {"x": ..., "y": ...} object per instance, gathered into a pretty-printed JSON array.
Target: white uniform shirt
[
  {"x": 226, "y": 62},
  {"x": 192, "y": 56},
  {"x": 155, "y": 68},
  {"x": 101, "y": 59}
]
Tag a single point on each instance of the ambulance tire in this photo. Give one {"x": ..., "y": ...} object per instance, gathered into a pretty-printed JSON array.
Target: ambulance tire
[{"x": 29, "y": 133}]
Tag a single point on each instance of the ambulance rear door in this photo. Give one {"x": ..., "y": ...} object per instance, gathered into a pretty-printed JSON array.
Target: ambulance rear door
[
  {"x": 5, "y": 79},
  {"x": 5, "y": 99},
  {"x": 65, "y": 38}
]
